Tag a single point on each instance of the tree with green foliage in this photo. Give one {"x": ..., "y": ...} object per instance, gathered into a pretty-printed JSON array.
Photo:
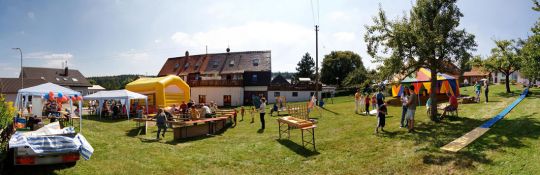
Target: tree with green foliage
[
  {"x": 505, "y": 59},
  {"x": 427, "y": 37},
  {"x": 530, "y": 52},
  {"x": 305, "y": 67},
  {"x": 338, "y": 64}
]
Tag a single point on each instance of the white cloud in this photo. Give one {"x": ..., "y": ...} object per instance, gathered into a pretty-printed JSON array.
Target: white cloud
[
  {"x": 157, "y": 41},
  {"x": 288, "y": 41},
  {"x": 344, "y": 36},
  {"x": 134, "y": 56},
  {"x": 50, "y": 59},
  {"x": 339, "y": 16},
  {"x": 31, "y": 15}
]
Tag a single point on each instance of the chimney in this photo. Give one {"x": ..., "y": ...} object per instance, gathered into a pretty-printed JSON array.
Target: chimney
[{"x": 66, "y": 71}]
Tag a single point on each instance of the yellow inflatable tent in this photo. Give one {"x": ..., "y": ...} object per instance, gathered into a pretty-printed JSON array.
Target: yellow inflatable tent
[{"x": 162, "y": 91}]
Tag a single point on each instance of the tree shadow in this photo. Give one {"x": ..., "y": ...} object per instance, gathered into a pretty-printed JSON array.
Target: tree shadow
[
  {"x": 506, "y": 133},
  {"x": 136, "y": 131},
  {"x": 333, "y": 112},
  {"x": 298, "y": 149}
]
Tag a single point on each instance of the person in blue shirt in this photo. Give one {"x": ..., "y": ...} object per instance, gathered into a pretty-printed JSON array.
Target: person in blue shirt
[{"x": 161, "y": 119}]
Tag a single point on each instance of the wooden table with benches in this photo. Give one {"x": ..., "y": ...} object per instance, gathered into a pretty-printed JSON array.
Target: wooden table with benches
[{"x": 299, "y": 119}]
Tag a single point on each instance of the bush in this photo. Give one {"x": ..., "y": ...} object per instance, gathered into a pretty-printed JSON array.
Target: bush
[{"x": 7, "y": 111}]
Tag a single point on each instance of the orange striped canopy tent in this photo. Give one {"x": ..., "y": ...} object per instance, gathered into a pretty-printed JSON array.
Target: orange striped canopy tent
[{"x": 445, "y": 83}]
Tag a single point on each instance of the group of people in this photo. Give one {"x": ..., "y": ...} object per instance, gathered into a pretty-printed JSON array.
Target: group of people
[
  {"x": 478, "y": 90},
  {"x": 377, "y": 102},
  {"x": 196, "y": 112}
]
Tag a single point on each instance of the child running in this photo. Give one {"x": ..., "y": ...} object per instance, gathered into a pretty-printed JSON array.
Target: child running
[{"x": 251, "y": 114}]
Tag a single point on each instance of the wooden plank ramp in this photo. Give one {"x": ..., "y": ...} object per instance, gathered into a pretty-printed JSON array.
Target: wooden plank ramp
[{"x": 465, "y": 140}]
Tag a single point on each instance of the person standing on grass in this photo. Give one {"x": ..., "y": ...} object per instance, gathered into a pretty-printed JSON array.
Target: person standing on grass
[
  {"x": 381, "y": 114},
  {"x": 357, "y": 101},
  {"x": 161, "y": 119},
  {"x": 242, "y": 111},
  {"x": 477, "y": 90},
  {"x": 486, "y": 89},
  {"x": 404, "y": 100},
  {"x": 411, "y": 108},
  {"x": 379, "y": 97},
  {"x": 366, "y": 101},
  {"x": 262, "y": 111},
  {"x": 361, "y": 106}
]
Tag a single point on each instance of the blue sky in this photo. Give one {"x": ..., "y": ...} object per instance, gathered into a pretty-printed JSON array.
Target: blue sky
[{"x": 136, "y": 37}]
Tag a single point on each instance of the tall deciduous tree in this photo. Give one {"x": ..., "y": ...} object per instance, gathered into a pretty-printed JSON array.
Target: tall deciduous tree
[
  {"x": 531, "y": 51},
  {"x": 338, "y": 64},
  {"x": 428, "y": 37},
  {"x": 305, "y": 67},
  {"x": 505, "y": 59}
]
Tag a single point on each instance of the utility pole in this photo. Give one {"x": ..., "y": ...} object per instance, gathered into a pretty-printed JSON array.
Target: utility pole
[{"x": 317, "y": 62}]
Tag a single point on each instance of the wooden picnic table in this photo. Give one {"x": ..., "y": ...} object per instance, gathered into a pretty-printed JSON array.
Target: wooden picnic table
[{"x": 296, "y": 123}]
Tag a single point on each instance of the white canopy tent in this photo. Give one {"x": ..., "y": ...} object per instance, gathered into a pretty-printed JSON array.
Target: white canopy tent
[
  {"x": 124, "y": 95},
  {"x": 41, "y": 90}
]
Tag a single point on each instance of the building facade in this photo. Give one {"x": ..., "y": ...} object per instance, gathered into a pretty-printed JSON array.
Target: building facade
[{"x": 228, "y": 79}]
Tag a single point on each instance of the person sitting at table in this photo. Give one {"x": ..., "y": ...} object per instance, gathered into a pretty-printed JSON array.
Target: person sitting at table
[
  {"x": 169, "y": 116},
  {"x": 453, "y": 105},
  {"x": 115, "y": 110},
  {"x": 195, "y": 114},
  {"x": 190, "y": 104},
  {"x": 183, "y": 107},
  {"x": 206, "y": 111}
]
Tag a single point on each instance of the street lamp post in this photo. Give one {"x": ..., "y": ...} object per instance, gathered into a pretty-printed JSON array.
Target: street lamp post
[{"x": 22, "y": 74}]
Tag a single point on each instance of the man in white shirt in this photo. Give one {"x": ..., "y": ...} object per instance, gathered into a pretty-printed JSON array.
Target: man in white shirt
[{"x": 262, "y": 112}]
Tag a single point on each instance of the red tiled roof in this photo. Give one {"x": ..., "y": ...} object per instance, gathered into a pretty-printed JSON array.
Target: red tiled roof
[
  {"x": 475, "y": 71},
  {"x": 219, "y": 63}
]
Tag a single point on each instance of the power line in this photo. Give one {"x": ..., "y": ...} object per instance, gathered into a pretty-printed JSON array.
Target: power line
[{"x": 313, "y": 12}]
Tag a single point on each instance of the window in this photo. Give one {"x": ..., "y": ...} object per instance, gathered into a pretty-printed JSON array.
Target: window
[
  {"x": 176, "y": 66},
  {"x": 57, "y": 79},
  {"x": 197, "y": 65},
  {"x": 276, "y": 94},
  {"x": 231, "y": 63},
  {"x": 186, "y": 65},
  {"x": 202, "y": 98},
  {"x": 254, "y": 78},
  {"x": 214, "y": 64},
  {"x": 65, "y": 79},
  {"x": 295, "y": 94},
  {"x": 43, "y": 78},
  {"x": 74, "y": 79},
  {"x": 255, "y": 62}
]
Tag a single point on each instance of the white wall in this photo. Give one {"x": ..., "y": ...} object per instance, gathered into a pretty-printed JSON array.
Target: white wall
[
  {"x": 216, "y": 94},
  {"x": 302, "y": 96}
]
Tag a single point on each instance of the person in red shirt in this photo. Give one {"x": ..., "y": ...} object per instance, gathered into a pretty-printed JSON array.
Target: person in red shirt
[
  {"x": 366, "y": 101},
  {"x": 452, "y": 106}
]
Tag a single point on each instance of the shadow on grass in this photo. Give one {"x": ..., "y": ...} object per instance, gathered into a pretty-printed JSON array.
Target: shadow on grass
[
  {"x": 135, "y": 131},
  {"x": 298, "y": 149},
  {"x": 328, "y": 110},
  {"x": 103, "y": 119},
  {"x": 506, "y": 133},
  {"x": 191, "y": 139}
]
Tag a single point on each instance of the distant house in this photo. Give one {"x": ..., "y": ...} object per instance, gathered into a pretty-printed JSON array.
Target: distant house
[
  {"x": 69, "y": 78},
  {"x": 10, "y": 86},
  {"x": 301, "y": 91},
  {"x": 229, "y": 79},
  {"x": 475, "y": 74},
  {"x": 95, "y": 88}
]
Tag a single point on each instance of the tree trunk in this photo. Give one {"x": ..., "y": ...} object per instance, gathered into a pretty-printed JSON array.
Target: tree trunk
[
  {"x": 507, "y": 77},
  {"x": 433, "y": 94}
]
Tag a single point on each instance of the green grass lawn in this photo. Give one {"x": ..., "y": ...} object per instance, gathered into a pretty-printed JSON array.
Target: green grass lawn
[{"x": 346, "y": 144}]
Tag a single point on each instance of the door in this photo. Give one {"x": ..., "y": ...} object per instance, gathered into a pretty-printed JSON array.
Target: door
[{"x": 227, "y": 100}]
